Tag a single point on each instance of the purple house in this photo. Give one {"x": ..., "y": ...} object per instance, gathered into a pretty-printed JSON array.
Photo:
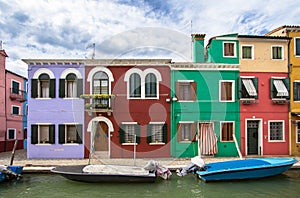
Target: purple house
[{"x": 56, "y": 112}]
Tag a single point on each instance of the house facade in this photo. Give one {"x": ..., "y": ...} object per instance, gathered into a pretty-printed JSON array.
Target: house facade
[
  {"x": 264, "y": 95},
  {"x": 294, "y": 73}
]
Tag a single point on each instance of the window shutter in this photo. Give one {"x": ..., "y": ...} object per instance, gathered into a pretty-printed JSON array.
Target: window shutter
[
  {"x": 149, "y": 138},
  {"x": 179, "y": 132},
  {"x": 193, "y": 91},
  {"x": 296, "y": 91},
  {"x": 165, "y": 133},
  {"x": 61, "y": 138},
  {"x": 34, "y": 88},
  {"x": 122, "y": 133},
  {"x": 240, "y": 87},
  {"x": 52, "y": 134},
  {"x": 287, "y": 85},
  {"x": 52, "y": 88},
  {"x": 79, "y": 87},
  {"x": 255, "y": 82},
  {"x": 272, "y": 88},
  {"x": 34, "y": 134},
  {"x": 138, "y": 133},
  {"x": 79, "y": 133},
  {"x": 177, "y": 93},
  {"x": 62, "y": 90},
  {"x": 193, "y": 132}
]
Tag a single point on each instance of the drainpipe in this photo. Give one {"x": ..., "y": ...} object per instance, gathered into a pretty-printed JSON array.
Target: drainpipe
[{"x": 289, "y": 106}]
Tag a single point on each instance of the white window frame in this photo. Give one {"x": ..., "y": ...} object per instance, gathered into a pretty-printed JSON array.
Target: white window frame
[
  {"x": 66, "y": 133},
  {"x": 190, "y": 123},
  {"x": 12, "y": 109},
  {"x": 252, "y": 52},
  {"x": 296, "y": 131},
  {"x": 234, "y": 49},
  {"x": 190, "y": 84},
  {"x": 162, "y": 133},
  {"x": 8, "y": 133},
  {"x": 282, "y": 52},
  {"x": 296, "y": 81},
  {"x": 283, "y": 131},
  {"x": 233, "y": 130},
  {"x": 232, "y": 91},
  {"x": 40, "y": 142},
  {"x": 295, "y": 46}
]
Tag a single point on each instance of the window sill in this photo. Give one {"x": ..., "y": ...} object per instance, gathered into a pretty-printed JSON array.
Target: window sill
[
  {"x": 71, "y": 98},
  {"x": 186, "y": 141},
  {"x": 43, "y": 98},
  {"x": 43, "y": 144},
  {"x": 276, "y": 141},
  {"x": 70, "y": 144},
  {"x": 157, "y": 144},
  {"x": 129, "y": 144}
]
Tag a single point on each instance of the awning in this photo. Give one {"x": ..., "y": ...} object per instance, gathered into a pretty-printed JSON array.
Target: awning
[
  {"x": 281, "y": 89},
  {"x": 208, "y": 139},
  {"x": 249, "y": 87}
]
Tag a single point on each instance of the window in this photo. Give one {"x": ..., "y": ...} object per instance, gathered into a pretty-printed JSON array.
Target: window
[
  {"x": 277, "y": 52},
  {"x": 135, "y": 85},
  {"x": 11, "y": 134},
  {"x": 227, "y": 130},
  {"x": 186, "y": 132},
  {"x": 42, "y": 134},
  {"x": 15, "y": 110},
  {"x": 15, "y": 87},
  {"x": 229, "y": 49},
  {"x": 186, "y": 90},
  {"x": 298, "y": 132},
  {"x": 276, "y": 131},
  {"x": 71, "y": 87},
  {"x": 43, "y": 87},
  {"x": 100, "y": 86},
  {"x": 226, "y": 91},
  {"x": 150, "y": 86},
  {"x": 248, "y": 87},
  {"x": 70, "y": 133},
  {"x": 297, "y": 46},
  {"x": 156, "y": 133},
  {"x": 247, "y": 52},
  {"x": 279, "y": 87},
  {"x": 128, "y": 133},
  {"x": 297, "y": 91}
]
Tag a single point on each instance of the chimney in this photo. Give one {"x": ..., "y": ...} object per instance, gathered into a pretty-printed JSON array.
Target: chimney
[{"x": 198, "y": 48}]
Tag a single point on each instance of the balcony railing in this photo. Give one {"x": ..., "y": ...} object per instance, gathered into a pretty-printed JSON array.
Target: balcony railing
[
  {"x": 16, "y": 94},
  {"x": 97, "y": 102}
]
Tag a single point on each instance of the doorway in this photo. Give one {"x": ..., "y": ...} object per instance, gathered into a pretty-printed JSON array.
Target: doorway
[
  {"x": 253, "y": 137},
  {"x": 101, "y": 137}
]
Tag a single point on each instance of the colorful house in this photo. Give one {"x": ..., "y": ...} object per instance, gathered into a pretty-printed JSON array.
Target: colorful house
[
  {"x": 264, "y": 95},
  {"x": 205, "y": 107},
  {"x": 127, "y": 107},
  {"x": 11, "y": 100},
  {"x": 56, "y": 112},
  {"x": 294, "y": 71}
]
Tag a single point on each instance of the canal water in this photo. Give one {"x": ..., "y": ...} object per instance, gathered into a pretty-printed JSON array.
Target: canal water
[{"x": 49, "y": 185}]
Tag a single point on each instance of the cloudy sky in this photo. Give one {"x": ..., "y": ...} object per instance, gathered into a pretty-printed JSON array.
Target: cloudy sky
[{"x": 127, "y": 28}]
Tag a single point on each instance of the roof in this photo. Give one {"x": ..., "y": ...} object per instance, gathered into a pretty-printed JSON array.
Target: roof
[
  {"x": 221, "y": 36},
  {"x": 288, "y": 27},
  {"x": 264, "y": 37},
  {"x": 3, "y": 53}
]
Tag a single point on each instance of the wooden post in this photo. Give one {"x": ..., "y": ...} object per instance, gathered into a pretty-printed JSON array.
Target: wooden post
[{"x": 13, "y": 153}]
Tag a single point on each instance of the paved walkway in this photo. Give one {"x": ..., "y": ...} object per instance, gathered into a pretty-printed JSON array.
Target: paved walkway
[{"x": 20, "y": 158}]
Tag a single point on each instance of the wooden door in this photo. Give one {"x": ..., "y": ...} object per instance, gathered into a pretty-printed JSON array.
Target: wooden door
[{"x": 101, "y": 137}]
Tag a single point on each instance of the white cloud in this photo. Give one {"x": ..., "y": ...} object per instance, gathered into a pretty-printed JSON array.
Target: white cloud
[{"x": 63, "y": 29}]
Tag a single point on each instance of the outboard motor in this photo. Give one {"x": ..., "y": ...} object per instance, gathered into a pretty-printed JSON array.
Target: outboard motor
[
  {"x": 197, "y": 164},
  {"x": 9, "y": 175},
  {"x": 161, "y": 171}
]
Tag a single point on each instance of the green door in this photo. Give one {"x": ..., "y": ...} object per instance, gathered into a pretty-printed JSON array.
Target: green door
[{"x": 252, "y": 137}]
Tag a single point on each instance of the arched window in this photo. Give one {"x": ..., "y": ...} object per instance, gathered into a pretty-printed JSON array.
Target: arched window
[
  {"x": 71, "y": 85},
  {"x": 150, "y": 86},
  {"x": 135, "y": 85},
  {"x": 100, "y": 83},
  {"x": 44, "y": 86}
]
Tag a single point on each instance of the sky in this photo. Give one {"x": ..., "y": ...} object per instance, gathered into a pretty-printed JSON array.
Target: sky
[{"x": 69, "y": 29}]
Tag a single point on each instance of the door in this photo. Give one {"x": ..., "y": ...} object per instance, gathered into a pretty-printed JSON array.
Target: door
[
  {"x": 101, "y": 137},
  {"x": 252, "y": 137}
]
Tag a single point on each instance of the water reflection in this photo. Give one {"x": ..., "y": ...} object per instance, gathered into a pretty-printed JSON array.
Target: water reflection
[{"x": 48, "y": 185}]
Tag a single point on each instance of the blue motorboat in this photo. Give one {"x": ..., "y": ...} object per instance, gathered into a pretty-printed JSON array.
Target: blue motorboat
[
  {"x": 8, "y": 173},
  {"x": 245, "y": 169}
]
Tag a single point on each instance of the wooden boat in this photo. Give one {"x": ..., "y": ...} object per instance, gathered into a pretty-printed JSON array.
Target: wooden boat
[
  {"x": 105, "y": 173},
  {"x": 245, "y": 169},
  {"x": 8, "y": 173}
]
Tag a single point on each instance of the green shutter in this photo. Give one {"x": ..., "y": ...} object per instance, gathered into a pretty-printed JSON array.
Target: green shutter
[
  {"x": 272, "y": 88},
  {"x": 165, "y": 133},
  {"x": 138, "y": 133},
  {"x": 62, "y": 90},
  {"x": 34, "y": 134},
  {"x": 79, "y": 87},
  {"x": 52, "y": 88},
  {"x": 296, "y": 91},
  {"x": 79, "y": 133},
  {"x": 34, "y": 88},
  {"x": 240, "y": 87},
  {"x": 122, "y": 133},
  {"x": 255, "y": 82},
  {"x": 61, "y": 138},
  {"x": 287, "y": 85},
  {"x": 52, "y": 134},
  {"x": 149, "y": 138}
]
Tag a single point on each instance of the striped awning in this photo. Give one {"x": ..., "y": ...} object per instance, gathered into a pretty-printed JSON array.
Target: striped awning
[
  {"x": 280, "y": 87},
  {"x": 249, "y": 86}
]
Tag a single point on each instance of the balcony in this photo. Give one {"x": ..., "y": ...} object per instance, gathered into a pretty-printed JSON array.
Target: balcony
[
  {"x": 100, "y": 103},
  {"x": 17, "y": 95}
]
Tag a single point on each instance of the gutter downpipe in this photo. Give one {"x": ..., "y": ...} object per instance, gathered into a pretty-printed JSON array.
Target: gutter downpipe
[{"x": 289, "y": 106}]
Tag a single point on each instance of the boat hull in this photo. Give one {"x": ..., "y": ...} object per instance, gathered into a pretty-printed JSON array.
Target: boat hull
[
  {"x": 245, "y": 169},
  {"x": 75, "y": 173},
  {"x": 16, "y": 169}
]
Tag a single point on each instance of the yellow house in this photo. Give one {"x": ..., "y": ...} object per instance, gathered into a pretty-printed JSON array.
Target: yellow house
[{"x": 294, "y": 61}]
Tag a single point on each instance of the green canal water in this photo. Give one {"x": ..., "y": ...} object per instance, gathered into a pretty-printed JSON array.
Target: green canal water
[{"x": 49, "y": 185}]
